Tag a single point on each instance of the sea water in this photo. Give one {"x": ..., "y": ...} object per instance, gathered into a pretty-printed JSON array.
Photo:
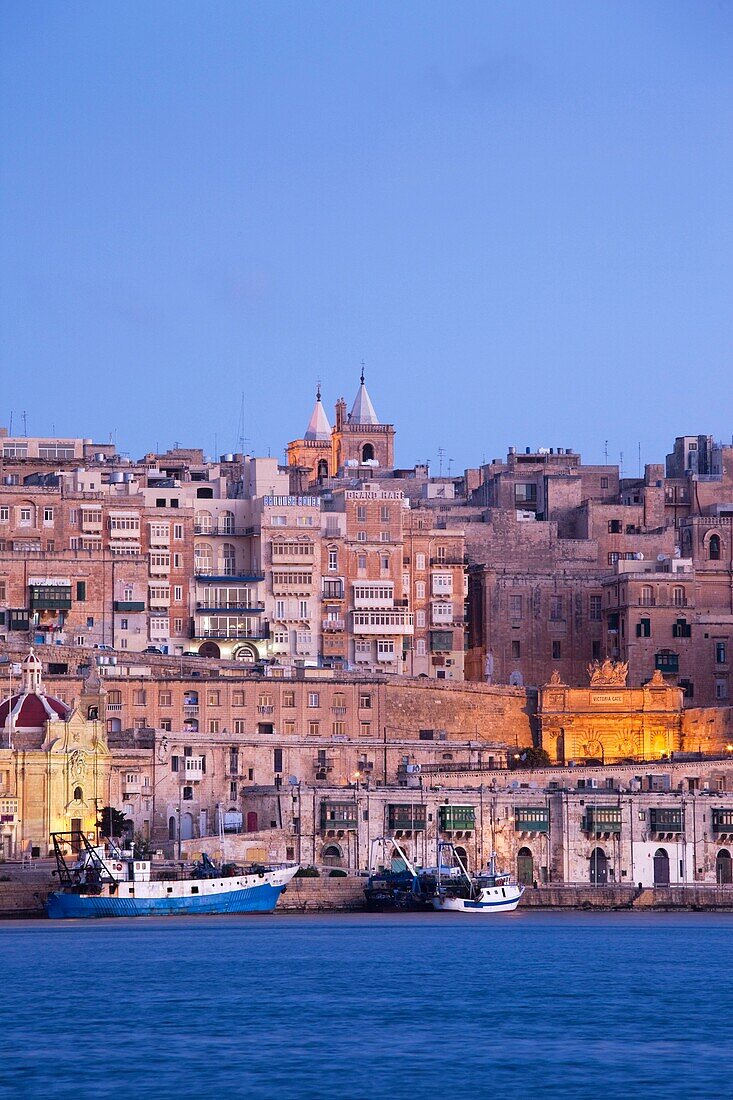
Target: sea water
[{"x": 350, "y": 1006}]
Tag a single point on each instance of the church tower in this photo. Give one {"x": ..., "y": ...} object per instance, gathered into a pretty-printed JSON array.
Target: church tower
[
  {"x": 360, "y": 442},
  {"x": 312, "y": 454}
]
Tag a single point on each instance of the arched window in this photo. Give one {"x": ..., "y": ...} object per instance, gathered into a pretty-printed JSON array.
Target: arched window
[
  {"x": 172, "y": 828},
  {"x": 78, "y": 794},
  {"x": 714, "y": 548},
  {"x": 226, "y": 523},
  {"x": 463, "y": 856},
  {"x": 203, "y": 557},
  {"x": 26, "y": 514},
  {"x": 92, "y": 713},
  {"x": 367, "y": 452},
  {"x": 203, "y": 522},
  {"x": 322, "y": 470}
]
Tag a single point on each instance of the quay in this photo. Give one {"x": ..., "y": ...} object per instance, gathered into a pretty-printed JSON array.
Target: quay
[{"x": 24, "y": 895}]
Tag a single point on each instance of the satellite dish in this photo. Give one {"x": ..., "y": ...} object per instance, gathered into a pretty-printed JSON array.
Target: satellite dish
[
  {"x": 514, "y": 784},
  {"x": 661, "y": 557},
  {"x": 293, "y": 780}
]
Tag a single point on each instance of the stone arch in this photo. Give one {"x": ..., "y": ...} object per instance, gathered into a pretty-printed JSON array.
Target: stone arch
[
  {"x": 209, "y": 649},
  {"x": 203, "y": 522},
  {"x": 203, "y": 557},
  {"x": 598, "y": 867},
  {"x": 724, "y": 868},
  {"x": 226, "y": 523},
  {"x": 247, "y": 654},
  {"x": 332, "y": 855},
  {"x": 367, "y": 452},
  {"x": 228, "y": 559},
  {"x": 172, "y": 830},
  {"x": 187, "y": 826},
  {"x": 661, "y": 867},
  {"x": 525, "y": 866},
  {"x": 462, "y": 855},
  {"x": 322, "y": 468}
]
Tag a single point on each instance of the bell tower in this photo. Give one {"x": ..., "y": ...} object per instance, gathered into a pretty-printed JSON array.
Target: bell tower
[{"x": 360, "y": 441}]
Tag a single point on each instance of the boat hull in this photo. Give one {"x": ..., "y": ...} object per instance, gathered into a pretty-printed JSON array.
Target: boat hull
[
  {"x": 489, "y": 902},
  {"x": 251, "y": 894}
]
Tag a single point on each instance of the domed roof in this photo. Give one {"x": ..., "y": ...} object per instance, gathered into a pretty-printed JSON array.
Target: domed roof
[
  {"x": 31, "y": 711},
  {"x": 31, "y": 708}
]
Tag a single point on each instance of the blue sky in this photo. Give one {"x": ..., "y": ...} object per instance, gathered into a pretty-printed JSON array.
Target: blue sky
[{"x": 517, "y": 214}]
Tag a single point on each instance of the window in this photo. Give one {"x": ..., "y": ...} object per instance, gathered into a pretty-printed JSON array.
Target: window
[
  {"x": 614, "y": 526},
  {"x": 361, "y": 536},
  {"x": 213, "y": 725},
  {"x": 516, "y": 651},
  {"x": 556, "y": 610},
  {"x": 361, "y": 513},
  {"x": 678, "y": 597},
  {"x": 177, "y": 530},
  {"x": 177, "y": 593},
  {"x": 721, "y": 687},
  {"x": 613, "y": 557},
  {"x": 314, "y": 729},
  {"x": 177, "y": 561},
  {"x": 314, "y": 699},
  {"x": 188, "y": 794},
  {"x": 421, "y": 647},
  {"x": 384, "y": 562},
  {"x": 420, "y": 619},
  {"x": 81, "y": 591},
  {"x": 238, "y": 699},
  {"x": 48, "y": 515},
  {"x": 385, "y": 648},
  {"x": 714, "y": 548},
  {"x": 3, "y": 591},
  {"x": 4, "y": 513},
  {"x": 303, "y": 609},
  {"x": 420, "y": 590},
  {"x": 279, "y": 609},
  {"x": 333, "y": 560},
  {"x": 365, "y": 700},
  {"x": 604, "y": 483},
  {"x": 277, "y": 760},
  {"x": 385, "y": 536},
  {"x": 419, "y": 561},
  {"x": 361, "y": 561},
  {"x": 214, "y": 698},
  {"x": 594, "y": 608},
  {"x": 515, "y": 607},
  {"x": 525, "y": 493},
  {"x": 720, "y": 653},
  {"x": 240, "y": 726},
  {"x": 556, "y": 651},
  {"x": 139, "y": 697},
  {"x": 165, "y": 699},
  {"x": 644, "y": 628},
  {"x": 681, "y": 629},
  {"x": 365, "y": 729},
  {"x": 667, "y": 661},
  {"x": 288, "y": 699},
  {"x": 178, "y": 626},
  {"x": 338, "y": 728}
]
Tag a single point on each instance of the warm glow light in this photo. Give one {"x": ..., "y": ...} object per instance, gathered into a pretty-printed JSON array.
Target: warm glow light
[{"x": 729, "y": 748}]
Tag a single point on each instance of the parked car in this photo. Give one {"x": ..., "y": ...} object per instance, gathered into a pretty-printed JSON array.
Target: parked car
[
  {"x": 153, "y": 649},
  {"x": 101, "y": 645}
]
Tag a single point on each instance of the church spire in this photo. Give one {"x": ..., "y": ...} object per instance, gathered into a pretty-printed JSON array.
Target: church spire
[
  {"x": 318, "y": 425},
  {"x": 363, "y": 410}
]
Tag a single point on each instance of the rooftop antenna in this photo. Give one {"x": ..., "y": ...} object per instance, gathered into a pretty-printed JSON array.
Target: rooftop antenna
[
  {"x": 11, "y": 423},
  {"x": 450, "y": 463},
  {"x": 241, "y": 431},
  {"x": 362, "y": 372},
  {"x": 621, "y": 464},
  {"x": 605, "y": 451},
  {"x": 318, "y": 389},
  {"x": 25, "y": 423},
  {"x": 441, "y": 453},
  {"x": 639, "y": 458}
]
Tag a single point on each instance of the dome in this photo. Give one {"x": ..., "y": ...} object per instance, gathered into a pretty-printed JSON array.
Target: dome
[{"x": 31, "y": 711}]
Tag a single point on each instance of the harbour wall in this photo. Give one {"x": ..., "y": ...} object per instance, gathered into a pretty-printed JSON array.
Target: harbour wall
[{"x": 22, "y": 897}]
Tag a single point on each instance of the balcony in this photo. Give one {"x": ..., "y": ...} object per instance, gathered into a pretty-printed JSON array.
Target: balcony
[
  {"x": 601, "y": 820},
  {"x": 265, "y": 708},
  {"x": 324, "y": 763},
  {"x": 129, "y": 606},
  {"x": 338, "y": 816},
  {"x": 457, "y": 818},
  {"x": 666, "y": 821},
  {"x": 114, "y": 708},
  {"x": 235, "y": 634},
  {"x": 647, "y": 601},
  {"x": 382, "y": 622},
  {"x": 205, "y": 576},
  {"x": 406, "y": 818},
  {"x": 191, "y": 710},
  {"x": 332, "y": 625},
  {"x": 450, "y": 559},
  {"x": 204, "y": 606},
  {"x": 531, "y": 819},
  {"x": 221, "y": 532},
  {"x": 339, "y": 712},
  {"x": 131, "y": 787},
  {"x": 193, "y": 768},
  {"x": 722, "y": 822}
]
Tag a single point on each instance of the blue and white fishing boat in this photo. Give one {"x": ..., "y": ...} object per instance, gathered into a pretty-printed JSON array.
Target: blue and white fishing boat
[
  {"x": 107, "y": 881},
  {"x": 458, "y": 892}
]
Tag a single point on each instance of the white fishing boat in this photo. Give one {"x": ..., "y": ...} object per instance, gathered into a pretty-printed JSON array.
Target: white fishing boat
[{"x": 488, "y": 892}]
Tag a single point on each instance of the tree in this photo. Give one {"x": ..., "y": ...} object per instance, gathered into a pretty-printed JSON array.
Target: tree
[
  {"x": 530, "y": 758},
  {"x": 113, "y": 823}
]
